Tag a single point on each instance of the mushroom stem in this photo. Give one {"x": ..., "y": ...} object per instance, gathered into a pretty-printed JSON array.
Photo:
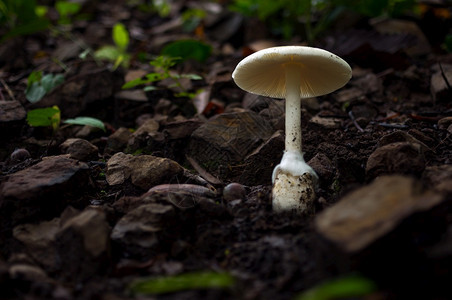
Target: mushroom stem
[{"x": 293, "y": 108}]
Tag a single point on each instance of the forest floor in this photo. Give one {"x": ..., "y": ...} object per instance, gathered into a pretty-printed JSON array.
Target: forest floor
[{"x": 88, "y": 213}]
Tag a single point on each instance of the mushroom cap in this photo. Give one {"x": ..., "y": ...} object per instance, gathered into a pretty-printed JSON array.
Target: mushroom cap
[{"x": 263, "y": 72}]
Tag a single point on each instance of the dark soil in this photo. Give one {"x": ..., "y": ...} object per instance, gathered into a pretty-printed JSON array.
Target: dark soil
[{"x": 390, "y": 100}]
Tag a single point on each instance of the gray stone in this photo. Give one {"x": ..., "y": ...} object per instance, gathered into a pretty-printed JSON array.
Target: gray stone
[
  {"x": 118, "y": 140},
  {"x": 43, "y": 189},
  {"x": 79, "y": 149},
  {"x": 366, "y": 215},
  {"x": 323, "y": 166},
  {"x": 402, "y": 136},
  {"x": 396, "y": 158},
  {"x": 225, "y": 140},
  {"x": 12, "y": 117},
  {"x": 439, "y": 178},
  {"x": 11, "y": 111},
  {"x": 79, "y": 91},
  {"x": 83, "y": 245},
  {"x": 141, "y": 230},
  {"x": 39, "y": 242},
  {"x": 328, "y": 123},
  {"x": 144, "y": 171}
]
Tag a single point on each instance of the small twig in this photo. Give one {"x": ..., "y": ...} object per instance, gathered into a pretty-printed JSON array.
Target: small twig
[
  {"x": 10, "y": 93},
  {"x": 203, "y": 173},
  {"x": 352, "y": 117},
  {"x": 388, "y": 125}
]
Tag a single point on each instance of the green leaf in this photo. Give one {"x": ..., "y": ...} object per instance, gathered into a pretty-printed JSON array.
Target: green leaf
[
  {"x": 41, "y": 10},
  {"x": 66, "y": 8},
  {"x": 150, "y": 88},
  {"x": 86, "y": 121},
  {"x": 120, "y": 36},
  {"x": 188, "y": 281},
  {"x": 341, "y": 288},
  {"x": 133, "y": 83},
  {"x": 29, "y": 27},
  {"x": 50, "y": 81},
  {"x": 151, "y": 77},
  {"x": 43, "y": 117},
  {"x": 108, "y": 52},
  {"x": 38, "y": 86},
  {"x": 34, "y": 76},
  {"x": 191, "y": 76},
  {"x": 35, "y": 92},
  {"x": 188, "y": 49}
]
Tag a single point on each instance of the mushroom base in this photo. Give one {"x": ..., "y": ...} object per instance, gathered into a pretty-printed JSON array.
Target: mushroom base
[{"x": 293, "y": 193}]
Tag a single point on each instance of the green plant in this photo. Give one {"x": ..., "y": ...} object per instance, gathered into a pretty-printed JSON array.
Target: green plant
[
  {"x": 45, "y": 117},
  {"x": 192, "y": 18},
  {"x": 188, "y": 281},
  {"x": 118, "y": 52},
  {"x": 38, "y": 85},
  {"x": 162, "y": 65},
  {"x": 347, "y": 287},
  {"x": 66, "y": 9},
  {"x": 21, "y": 17},
  {"x": 51, "y": 117},
  {"x": 188, "y": 49}
]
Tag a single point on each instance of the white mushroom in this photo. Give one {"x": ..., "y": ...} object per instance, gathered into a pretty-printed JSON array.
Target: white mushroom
[{"x": 292, "y": 72}]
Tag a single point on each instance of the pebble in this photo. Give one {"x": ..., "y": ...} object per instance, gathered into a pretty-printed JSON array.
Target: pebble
[
  {"x": 234, "y": 191},
  {"x": 144, "y": 171},
  {"x": 79, "y": 149}
]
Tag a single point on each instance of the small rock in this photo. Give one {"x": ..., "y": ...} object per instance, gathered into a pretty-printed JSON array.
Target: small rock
[
  {"x": 88, "y": 132},
  {"x": 12, "y": 117},
  {"x": 391, "y": 26},
  {"x": 83, "y": 245},
  {"x": 142, "y": 230},
  {"x": 369, "y": 83},
  {"x": 43, "y": 189},
  {"x": 323, "y": 166},
  {"x": 400, "y": 158},
  {"x": 118, "y": 140},
  {"x": 226, "y": 139},
  {"x": 139, "y": 139},
  {"x": 148, "y": 127},
  {"x": 255, "y": 103},
  {"x": 181, "y": 129},
  {"x": 77, "y": 93},
  {"x": 19, "y": 155},
  {"x": 439, "y": 178},
  {"x": 144, "y": 171},
  {"x": 367, "y": 214},
  {"x": 402, "y": 136},
  {"x": 234, "y": 191},
  {"x": 79, "y": 149},
  {"x": 39, "y": 241},
  {"x": 423, "y": 137},
  {"x": 11, "y": 111},
  {"x": 132, "y": 95},
  {"x": 438, "y": 85},
  {"x": 349, "y": 95},
  {"x": 329, "y": 123}
]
